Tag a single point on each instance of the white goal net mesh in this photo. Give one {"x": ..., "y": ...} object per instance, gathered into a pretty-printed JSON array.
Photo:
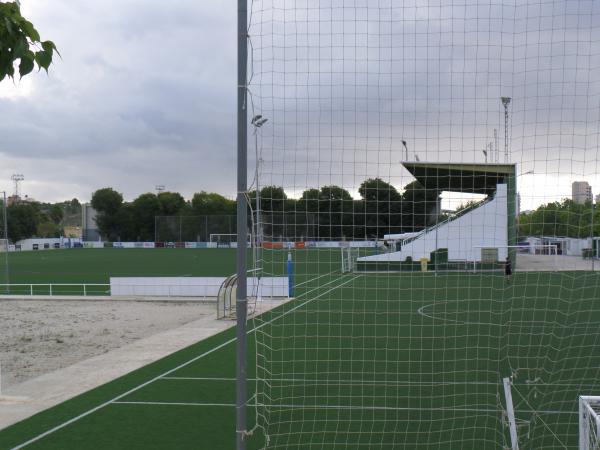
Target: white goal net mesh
[
  {"x": 589, "y": 423},
  {"x": 422, "y": 133}
]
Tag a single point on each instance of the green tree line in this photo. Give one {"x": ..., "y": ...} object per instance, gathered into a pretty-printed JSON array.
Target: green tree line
[
  {"x": 565, "y": 218},
  {"x": 43, "y": 220},
  {"x": 326, "y": 213}
]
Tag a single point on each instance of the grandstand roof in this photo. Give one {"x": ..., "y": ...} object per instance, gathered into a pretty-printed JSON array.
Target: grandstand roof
[{"x": 460, "y": 177}]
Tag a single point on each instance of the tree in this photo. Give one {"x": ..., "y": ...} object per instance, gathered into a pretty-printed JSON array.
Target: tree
[
  {"x": 419, "y": 206},
  {"x": 211, "y": 203},
  {"x": 309, "y": 202},
  {"x": 335, "y": 213},
  {"x": 272, "y": 200},
  {"x": 56, "y": 214},
  {"x": 23, "y": 219},
  {"x": 107, "y": 202},
  {"x": 382, "y": 207},
  {"x": 171, "y": 203},
  {"x": 145, "y": 208},
  {"x": 20, "y": 41},
  {"x": 124, "y": 222},
  {"x": 566, "y": 218}
]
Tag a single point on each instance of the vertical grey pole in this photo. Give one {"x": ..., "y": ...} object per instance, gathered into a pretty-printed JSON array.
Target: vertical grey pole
[
  {"x": 242, "y": 227},
  {"x": 6, "y": 241},
  {"x": 510, "y": 411},
  {"x": 592, "y": 234}
]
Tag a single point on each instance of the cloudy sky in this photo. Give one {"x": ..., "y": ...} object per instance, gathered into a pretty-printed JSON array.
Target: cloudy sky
[{"x": 145, "y": 93}]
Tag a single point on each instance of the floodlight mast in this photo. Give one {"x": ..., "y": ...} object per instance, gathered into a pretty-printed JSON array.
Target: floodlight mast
[
  {"x": 17, "y": 178},
  {"x": 242, "y": 225}
]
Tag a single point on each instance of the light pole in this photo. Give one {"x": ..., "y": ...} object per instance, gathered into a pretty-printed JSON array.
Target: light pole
[
  {"x": 592, "y": 234},
  {"x": 241, "y": 300},
  {"x": 258, "y": 121},
  {"x": 405, "y": 149},
  {"x": 17, "y": 178},
  {"x": 5, "y": 219},
  {"x": 495, "y": 150},
  {"x": 485, "y": 153},
  {"x": 505, "y": 103}
]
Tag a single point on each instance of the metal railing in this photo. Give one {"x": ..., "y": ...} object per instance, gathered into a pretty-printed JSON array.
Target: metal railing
[{"x": 54, "y": 289}]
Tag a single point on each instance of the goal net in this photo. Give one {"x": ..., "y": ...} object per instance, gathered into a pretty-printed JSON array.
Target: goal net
[
  {"x": 589, "y": 422},
  {"x": 349, "y": 257},
  {"x": 192, "y": 228},
  {"x": 403, "y": 150}
]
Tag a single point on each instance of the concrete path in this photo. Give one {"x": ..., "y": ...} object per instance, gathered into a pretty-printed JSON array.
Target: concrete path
[{"x": 550, "y": 263}]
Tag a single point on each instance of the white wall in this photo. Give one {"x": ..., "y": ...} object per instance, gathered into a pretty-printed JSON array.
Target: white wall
[
  {"x": 574, "y": 247},
  {"x": 27, "y": 244},
  {"x": 191, "y": 286},
  {"x": 486, "y": 226},
  {"x": 570, "y": 246}
]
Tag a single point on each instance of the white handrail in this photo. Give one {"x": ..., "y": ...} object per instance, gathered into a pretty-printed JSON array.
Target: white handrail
[{"x": 9, "y": 289}]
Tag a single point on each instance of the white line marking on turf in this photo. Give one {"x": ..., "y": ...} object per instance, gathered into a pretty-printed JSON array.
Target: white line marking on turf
[
  {"x": 314, "y": 279},
  {"x": 339, "y": 382},
  {"x": 218, "y": 347},
  {"x": 306, "y": 381},
  {"x": 349, "y": 407},
  {"x": 228, "y": 405},
  {"x": 93, "y": 410}
]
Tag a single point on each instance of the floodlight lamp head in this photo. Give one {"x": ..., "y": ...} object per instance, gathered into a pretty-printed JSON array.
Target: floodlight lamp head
[
  {"x": 256, "y": 119},
  {"x": 404, "y": 143},
  {"x": 505, "y": 101},
  {"x": 484, "y": 152},
  {"x": 259, "y": 123}
]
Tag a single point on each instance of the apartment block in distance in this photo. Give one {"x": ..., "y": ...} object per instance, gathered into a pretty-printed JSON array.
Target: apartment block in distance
[{"x": 582, "y": 192}]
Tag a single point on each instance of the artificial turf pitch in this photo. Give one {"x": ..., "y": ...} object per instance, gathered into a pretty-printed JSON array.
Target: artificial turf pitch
[
  {"x": 403, "y": 360},
  {"x": 83, "y": 265}
]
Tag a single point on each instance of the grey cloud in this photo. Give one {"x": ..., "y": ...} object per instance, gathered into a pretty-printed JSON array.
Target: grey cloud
[{"x": 145, "y": 92}]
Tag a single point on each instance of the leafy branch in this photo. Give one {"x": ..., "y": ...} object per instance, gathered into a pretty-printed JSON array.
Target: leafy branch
[{"x": 20, "y": 41}]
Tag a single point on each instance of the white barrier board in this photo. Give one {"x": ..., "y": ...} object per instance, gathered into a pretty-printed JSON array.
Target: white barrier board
[{"x": 191, "y": 286}]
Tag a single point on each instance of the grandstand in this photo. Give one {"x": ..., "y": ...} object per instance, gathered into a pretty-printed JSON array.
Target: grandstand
[{"x": 480, "y": 233}]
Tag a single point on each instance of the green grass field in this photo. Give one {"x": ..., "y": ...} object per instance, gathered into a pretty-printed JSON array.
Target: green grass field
[
  {"x": 98, "y": 265},
  {"x": 408, "y": 361}
]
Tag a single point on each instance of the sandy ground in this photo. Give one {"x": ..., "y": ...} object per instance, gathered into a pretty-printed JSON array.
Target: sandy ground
[
  {"x": 106, "y": 337},
  {"x": 41, "y": 336}
]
